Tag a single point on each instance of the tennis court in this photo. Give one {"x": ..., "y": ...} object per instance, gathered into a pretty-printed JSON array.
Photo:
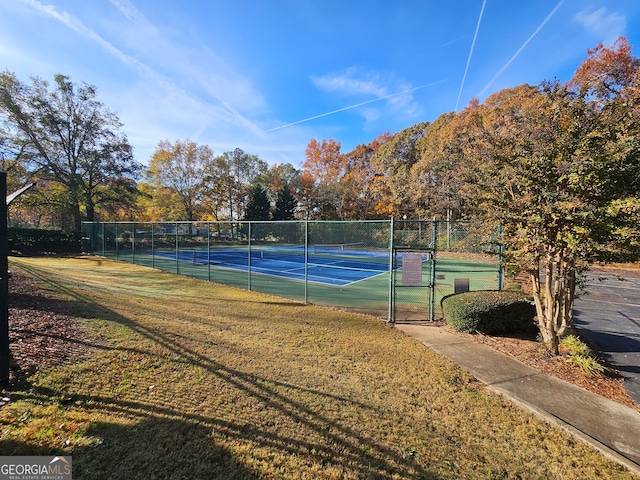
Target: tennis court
[
  {"x": 344, "y": 264},
  {"x": 340, "y": 265}
]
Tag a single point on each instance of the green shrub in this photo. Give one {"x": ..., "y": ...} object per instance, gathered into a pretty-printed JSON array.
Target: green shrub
[
  {"x": 588, "y": 365},
  {"x": 579, "y": 353},
  {"x": 32, "y": 240},
  {"x": 489, "y": 311},
  {"x": 575, "y": 346}
]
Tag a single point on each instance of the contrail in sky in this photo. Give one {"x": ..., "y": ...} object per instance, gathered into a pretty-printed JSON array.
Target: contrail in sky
[
  {"x": 506, "y": 65},
  {"x": 354, "y": 106},
  {"x": 473, "y": 43},
  {"x": 129, "y": 10}
]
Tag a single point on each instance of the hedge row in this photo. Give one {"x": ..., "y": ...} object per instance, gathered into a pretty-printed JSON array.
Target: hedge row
[
  {"x": 489, "y": 311},
  {"x": 31, "y": 240}
]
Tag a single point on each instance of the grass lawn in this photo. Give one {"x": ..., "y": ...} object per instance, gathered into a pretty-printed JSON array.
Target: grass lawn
[{"x": 189, "y": 379}]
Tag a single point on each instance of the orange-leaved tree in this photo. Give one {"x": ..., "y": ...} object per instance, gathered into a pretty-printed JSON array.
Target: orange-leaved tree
[
  {"x": 325, "y": 164},
  {"x": 359, "y": 177}
]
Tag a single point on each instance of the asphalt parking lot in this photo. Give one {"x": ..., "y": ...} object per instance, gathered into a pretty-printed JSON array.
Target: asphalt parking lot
[{"x": 608, "y": 317}]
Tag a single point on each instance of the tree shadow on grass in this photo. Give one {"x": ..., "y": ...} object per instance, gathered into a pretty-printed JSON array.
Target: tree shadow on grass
[
  {"x": 168, "y": 437},
  {"x": 155, "y": 447}
]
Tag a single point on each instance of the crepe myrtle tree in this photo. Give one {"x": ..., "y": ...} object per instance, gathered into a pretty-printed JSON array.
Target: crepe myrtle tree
[{"x": 558, "y": 167}]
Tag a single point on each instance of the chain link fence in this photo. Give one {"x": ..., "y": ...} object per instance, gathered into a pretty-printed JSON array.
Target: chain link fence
[
  {"x": 356, "y": 265},
  {"x": 454, "y": 257}
]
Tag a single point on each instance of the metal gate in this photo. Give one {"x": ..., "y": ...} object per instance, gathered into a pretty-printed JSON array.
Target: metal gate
[{"x": 413, "y": 281}]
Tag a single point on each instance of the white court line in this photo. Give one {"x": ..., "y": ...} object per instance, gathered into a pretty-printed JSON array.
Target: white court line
[{"x": 239, "y": 267}]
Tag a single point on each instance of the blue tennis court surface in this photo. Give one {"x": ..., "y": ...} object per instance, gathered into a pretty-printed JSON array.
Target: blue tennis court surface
[{"x": 326, "y": 267}]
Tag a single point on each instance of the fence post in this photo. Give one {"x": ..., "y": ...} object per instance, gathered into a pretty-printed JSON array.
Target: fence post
[
  {"x": 249, "y": 259},
  {"x": 209, "y": 251},
  {"x": 153, "y": 245},
  {"x": 306, "y": 261},
  {"x": 432, "y": 280},
  {"x": 177, "y": 250},
  {"x": 104, "y": 240},
  {"x": 448, "y": 229},
  {"x": 5, "y": 353},
  {"x": 500, "y": 259},
  {"x": 391, "y": 313}
]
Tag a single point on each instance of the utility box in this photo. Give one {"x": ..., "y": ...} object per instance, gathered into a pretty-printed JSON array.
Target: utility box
[{"x": 460, "y": 285}]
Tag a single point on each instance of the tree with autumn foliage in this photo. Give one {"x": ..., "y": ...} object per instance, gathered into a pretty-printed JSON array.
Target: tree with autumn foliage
[
  {"x": 278, "y": 181},
  {"x": 325, "y": 165},
  {"x": 230, "y": 181},
  {"x": 558, "y": 167},
  {"x": 607, "y": 89},
  {"x": 438, "y": 179},
  {"x": 304, "y": 191},
  {"x": 181, "y": 168},
  {"x": 277, "y": 177},
  {"x": 358, "y": 179},
  {"x": 392, "y": 164}
]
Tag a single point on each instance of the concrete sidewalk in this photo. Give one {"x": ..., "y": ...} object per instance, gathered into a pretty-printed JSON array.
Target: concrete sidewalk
[{"x": 612, "y": 428}]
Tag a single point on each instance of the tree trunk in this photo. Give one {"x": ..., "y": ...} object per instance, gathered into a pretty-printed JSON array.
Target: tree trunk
[
  {"x": 77, "y": 216},
  {"x": 91, "y": 209},
  {"x": 545, "y": 302},
  {"x": 75, "y": 211},
  {"x": 554, "y": 296}
]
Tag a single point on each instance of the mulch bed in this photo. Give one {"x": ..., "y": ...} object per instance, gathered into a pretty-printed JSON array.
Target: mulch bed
[
  {"x": 529, "y": 351},
  {"x": 41, "y": 334}
]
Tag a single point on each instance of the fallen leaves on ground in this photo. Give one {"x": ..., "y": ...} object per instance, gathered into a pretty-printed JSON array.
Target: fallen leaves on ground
[{"x": 41, "y": 334}]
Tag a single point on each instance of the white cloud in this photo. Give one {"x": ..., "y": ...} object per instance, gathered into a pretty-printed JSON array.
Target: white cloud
[
  {"x": 607, "y": 26},
  {"x": 184, "y": 106},
  {"x": 352, "y": 83},
  {"x": 163, "y": 88},
  {"x": 191, "y": 64},
  {"x": 371, "y": 115},
  {"x": 400, "y": 102},
  {"x": 346, "y": 82}
]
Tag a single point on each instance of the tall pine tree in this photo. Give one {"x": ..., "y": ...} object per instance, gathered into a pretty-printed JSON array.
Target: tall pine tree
[
  {"x": 259, "y": 205},
  {"x": 285, "y": 204}
]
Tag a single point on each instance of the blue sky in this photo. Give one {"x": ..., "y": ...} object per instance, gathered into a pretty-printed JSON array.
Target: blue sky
[{"x": 269, "y": 75}]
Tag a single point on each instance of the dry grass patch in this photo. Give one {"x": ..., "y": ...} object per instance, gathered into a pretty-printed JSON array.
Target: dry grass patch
[{"x": 190, "y": 379}]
